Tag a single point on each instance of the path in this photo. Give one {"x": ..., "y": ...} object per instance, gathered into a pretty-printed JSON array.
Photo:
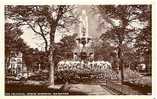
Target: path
[{"x": 90, "y": 89}]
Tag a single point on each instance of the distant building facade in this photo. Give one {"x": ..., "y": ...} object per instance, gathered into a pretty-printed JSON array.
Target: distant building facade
[{"x": 16, "y": 64}]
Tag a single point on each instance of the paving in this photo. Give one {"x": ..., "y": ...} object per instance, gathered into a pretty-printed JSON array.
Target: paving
[{"x": 90, "y": 89}]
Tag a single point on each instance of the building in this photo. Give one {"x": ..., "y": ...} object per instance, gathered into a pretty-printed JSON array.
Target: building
[{"x": 16, "y": 65}]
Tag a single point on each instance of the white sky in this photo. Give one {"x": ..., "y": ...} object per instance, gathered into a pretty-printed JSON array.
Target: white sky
[{"x": 35, "y": 41}]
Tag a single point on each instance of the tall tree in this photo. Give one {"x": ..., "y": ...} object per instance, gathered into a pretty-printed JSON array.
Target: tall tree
[
  {"x": 43, "y": 20},
  {"x": 121, "y": 18},
  {"x": 144, "y": 39},
  {"x": 13, "y": 41}
]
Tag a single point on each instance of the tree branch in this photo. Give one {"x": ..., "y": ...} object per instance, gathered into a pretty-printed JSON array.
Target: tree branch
[{"x": 33, "y": 28}]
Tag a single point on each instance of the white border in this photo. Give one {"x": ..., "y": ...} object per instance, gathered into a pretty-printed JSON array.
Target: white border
[{"x": 80, "y": 2}]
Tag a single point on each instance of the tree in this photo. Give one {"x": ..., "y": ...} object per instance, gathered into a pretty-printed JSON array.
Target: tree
[
  {"x": 103, "y": 50},
  {"x": 144, "y": 39},
  {"x": 65, "y": 47},
  {"x": 48, "y": 19},
  {"x": 13, "y": 42},
  {"x": 68, "y": 42},
  {"x": 122, "y": 31}
]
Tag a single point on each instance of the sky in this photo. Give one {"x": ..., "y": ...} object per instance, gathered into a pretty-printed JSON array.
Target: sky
[
  {"x": 94, "y": 31},
  {"x": 35, "y": 41}
]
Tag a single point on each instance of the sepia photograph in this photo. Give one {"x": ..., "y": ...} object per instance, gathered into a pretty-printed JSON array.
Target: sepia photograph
[{"x": 69, "y": 50}]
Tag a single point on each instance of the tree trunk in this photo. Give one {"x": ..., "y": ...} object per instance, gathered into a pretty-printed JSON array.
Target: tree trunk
[
  {"x": 120, "y": 54},
  {"x": 122, "y": 71},
  {"x": 53, "y": 26},
  {"x": 46, "y": 43},
  {"x": 120, "y": 63},
  {"x": 51, "y": 49},
  {"x": 7, "y": 63},
  {"x": 51, "y": 75}
]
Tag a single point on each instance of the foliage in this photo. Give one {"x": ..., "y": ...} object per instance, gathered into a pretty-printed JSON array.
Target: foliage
[
  {"x": 64, "y": 48},
  {"x": 41, "y": 18},
  {"x": 45, "y": 18},
  {"x": 123, "y": 32},
  {"x": 12, "y": 34},
  {"x": 34, "y": 57},
  {"x": 144, "y": 39},
  {"x": 136, "y": 78},
  {"x": 13, "y": 42}
]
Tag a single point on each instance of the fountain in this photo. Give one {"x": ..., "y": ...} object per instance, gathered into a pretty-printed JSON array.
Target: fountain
[
  {"x": 83, "y": 54},
  {"x": 83, "y": 51}
]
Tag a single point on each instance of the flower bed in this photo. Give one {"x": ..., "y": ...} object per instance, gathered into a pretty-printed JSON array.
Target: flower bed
[{"x": 138, "y": 81}]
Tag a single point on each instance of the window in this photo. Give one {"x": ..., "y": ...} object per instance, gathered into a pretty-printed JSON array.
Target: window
[
  {"x": 19, "y": 54},
  {"x": 19, "y": 61},
  {"x": 13, "y": 60},
  {"x": 12, "y": 65},
  {"x": 12, "y": 54}
]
